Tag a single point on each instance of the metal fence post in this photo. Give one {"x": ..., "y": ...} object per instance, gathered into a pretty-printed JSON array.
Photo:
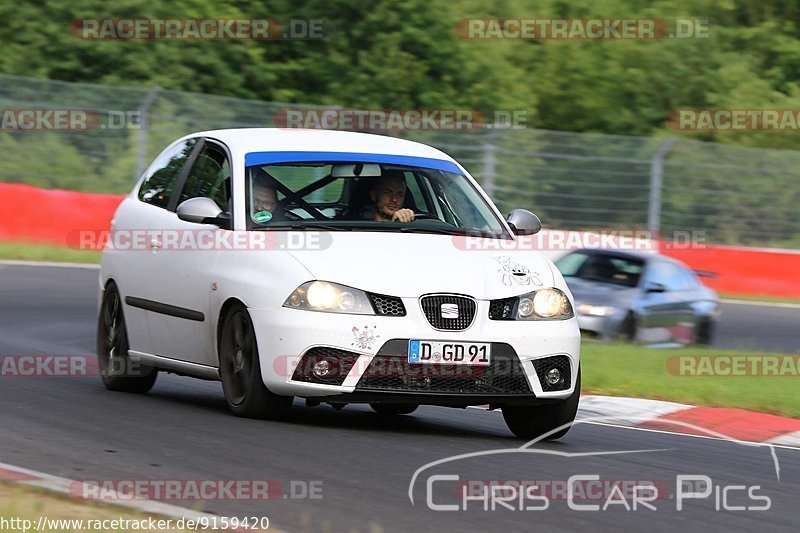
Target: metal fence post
[
  {"x": 144, "y": 124},
  {"x": 489, "y": 170},
  {"x": 656, "y": 187}
]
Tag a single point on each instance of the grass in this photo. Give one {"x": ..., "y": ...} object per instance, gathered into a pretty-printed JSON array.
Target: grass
[
  {"x": 28, "y": 503},
  {"x": 629, "y": 370},
  {"x": 46, "y": 252}
]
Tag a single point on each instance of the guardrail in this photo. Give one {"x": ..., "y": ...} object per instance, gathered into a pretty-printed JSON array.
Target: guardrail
[{"x": 35, "y": 215}]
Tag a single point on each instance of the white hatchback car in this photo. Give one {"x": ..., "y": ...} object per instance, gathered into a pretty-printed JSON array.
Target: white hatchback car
[{"x": 332, "y": 266}]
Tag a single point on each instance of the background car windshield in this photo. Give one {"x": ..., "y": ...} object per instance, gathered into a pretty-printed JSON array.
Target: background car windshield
[
  {"x": 602, "y": 267},
  {"x": 343, "y": 195}
]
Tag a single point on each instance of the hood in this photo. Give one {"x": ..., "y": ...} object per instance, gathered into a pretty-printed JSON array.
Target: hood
[
  {"x": 595, "y": 292},
  {"x": 412, "y": 264}
]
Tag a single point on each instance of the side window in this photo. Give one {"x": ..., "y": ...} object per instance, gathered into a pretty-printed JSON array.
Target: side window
[
  {"x": 667, "y": 274},
  {"x": 162, "y": 176},
  {"x": 209, "y": 177}
]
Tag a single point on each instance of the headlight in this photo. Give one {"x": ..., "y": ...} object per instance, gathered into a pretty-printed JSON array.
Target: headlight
[
  {"x": 544, "y": 304},
  {"x": 596, "y": 310},
  {"x": 329, "y": 298}
]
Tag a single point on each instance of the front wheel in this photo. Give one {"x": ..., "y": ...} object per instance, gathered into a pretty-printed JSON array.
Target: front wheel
[
  {"x": 240, "y": 370},
  {"x": 704, "y": 332},
  {"x": 530, "y": 421},
  {"x": 628, "y": 330},
  {"x": 117, "y": 370}
]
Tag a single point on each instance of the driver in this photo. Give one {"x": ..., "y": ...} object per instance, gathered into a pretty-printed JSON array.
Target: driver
[{"x": 388, "y": 196}]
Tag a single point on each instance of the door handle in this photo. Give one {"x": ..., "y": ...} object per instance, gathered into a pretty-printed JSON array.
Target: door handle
[{"x": 155, "y": 244}]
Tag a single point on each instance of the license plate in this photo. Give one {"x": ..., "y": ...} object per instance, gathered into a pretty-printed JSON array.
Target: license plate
[{"x": 449, "y": 352}]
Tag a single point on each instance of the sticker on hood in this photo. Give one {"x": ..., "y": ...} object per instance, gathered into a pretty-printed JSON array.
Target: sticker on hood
[
  {"x": 364, "y": 338},
  {"x": 513, "y": 273}
]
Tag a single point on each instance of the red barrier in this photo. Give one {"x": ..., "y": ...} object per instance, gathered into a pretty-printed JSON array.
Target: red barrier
[
  {"x": 44, "y": 216},
  {"x": 754, "y": 271},
  {"x": 32, "y": 214}
]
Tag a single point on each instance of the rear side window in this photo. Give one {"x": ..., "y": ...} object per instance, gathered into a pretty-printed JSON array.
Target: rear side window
[{"x": 162, "y": 176}]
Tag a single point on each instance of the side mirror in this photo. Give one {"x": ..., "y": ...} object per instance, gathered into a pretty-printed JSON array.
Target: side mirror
[
  {"x": 652, "y": 286},
  {"x": 523, "y": 222},
  {"x": 202, "y": 211}
]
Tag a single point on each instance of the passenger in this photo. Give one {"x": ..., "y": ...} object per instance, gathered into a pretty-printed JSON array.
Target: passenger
[{"x": 265, "y": 200}]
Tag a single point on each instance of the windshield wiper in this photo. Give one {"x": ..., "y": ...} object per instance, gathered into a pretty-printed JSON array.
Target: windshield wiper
[
  {"x": 319, "y": 225},
  {"x": 305, "y": 225},
  {"x": 437, "y": 231}
]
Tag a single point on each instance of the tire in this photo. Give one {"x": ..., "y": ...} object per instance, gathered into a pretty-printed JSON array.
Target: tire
[
  {"x": 240, "y": 370},
  {"x": 704, "y": 332},
  {"x": 531, "y": 421},
  {"x": 117, "y": 370},
  {"x": 394, "y": 409},
  {"x": 628, "y": 328}
]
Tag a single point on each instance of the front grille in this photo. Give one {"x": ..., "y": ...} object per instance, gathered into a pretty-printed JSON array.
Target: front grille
[
  {"x": 502, "y": 309},
  {"x": 462, "y": 318},
  {"x": 341, "y": 361},
  {"x": 561, "y": 362},
  {"x": 392, "y": 372},
  {"x": 387, "y": 305}
]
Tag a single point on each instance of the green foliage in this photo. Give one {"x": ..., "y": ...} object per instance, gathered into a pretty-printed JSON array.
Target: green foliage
[{"x": 406, "y": 54}]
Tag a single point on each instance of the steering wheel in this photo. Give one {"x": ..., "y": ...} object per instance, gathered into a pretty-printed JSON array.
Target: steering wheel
[{"x": 426, "y": 216}]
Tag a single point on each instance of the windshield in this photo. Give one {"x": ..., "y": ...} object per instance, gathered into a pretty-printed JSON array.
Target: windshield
[
  {"x": 366, "y": 196},
  {"x": 604, "y": 268}
]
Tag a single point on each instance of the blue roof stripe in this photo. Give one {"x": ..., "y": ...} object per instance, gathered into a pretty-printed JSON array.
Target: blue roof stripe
[{"x": 266, "y": 158}]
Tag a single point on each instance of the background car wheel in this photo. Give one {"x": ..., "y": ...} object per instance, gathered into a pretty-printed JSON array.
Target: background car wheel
[
  {"x": 628, "y": 328},
  {"x": 704, "y": 332},
  {"x": 240, "y": 370},
  {"x": 392, "y": 409},
  {"x": 530, "y": 421},
  {"x": 117, "y": 370}
]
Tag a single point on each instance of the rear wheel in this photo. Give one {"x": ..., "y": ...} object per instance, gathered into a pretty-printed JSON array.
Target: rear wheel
[
  {"x": 117, "y": 370},
  {"x": 530, "y": 421},
  {"x": 240, "y": 370},
  {"x": 393, "y": 409}
]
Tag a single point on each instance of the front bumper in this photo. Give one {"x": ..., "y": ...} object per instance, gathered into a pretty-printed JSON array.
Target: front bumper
[
  {"x": 285, "y": 335},
  {"x": 605, "y": 327}
]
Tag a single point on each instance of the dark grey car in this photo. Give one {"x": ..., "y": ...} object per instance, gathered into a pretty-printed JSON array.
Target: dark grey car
[{"x": 642, "y": 297}]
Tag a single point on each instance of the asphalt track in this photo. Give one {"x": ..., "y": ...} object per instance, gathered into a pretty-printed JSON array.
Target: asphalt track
[{"x": 73, "y": 427}]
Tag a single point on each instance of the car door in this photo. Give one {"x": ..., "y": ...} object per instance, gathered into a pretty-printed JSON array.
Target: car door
[
  {"x": 666, "y": 311},
  {"x": 185, "y": 262},
  {"x": 128, "y": 257}
]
